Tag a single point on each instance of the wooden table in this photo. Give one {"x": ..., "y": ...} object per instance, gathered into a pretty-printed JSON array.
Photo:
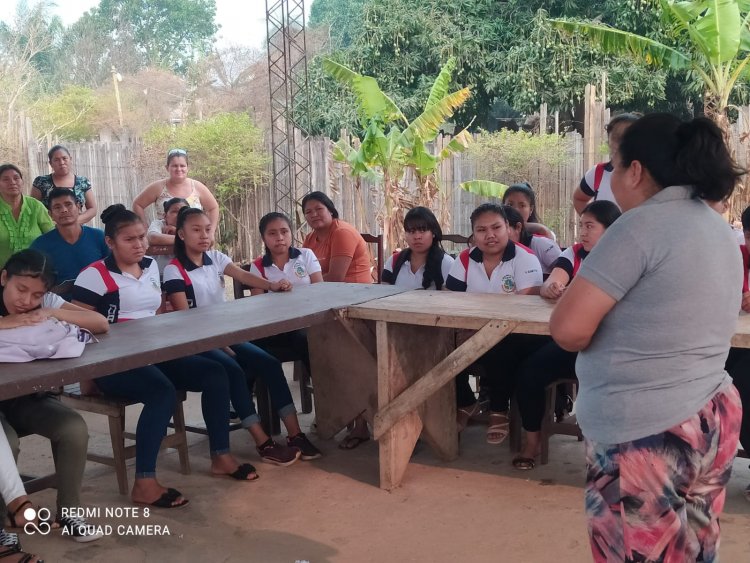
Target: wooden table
[
  {"x": 146, "y": 341},
  {"x": 417, "y": 360}
]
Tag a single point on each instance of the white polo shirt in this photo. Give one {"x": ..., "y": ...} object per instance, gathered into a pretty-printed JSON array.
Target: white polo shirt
[
  {"x": 204, "y": 284},
  {"x": 121, "y": 296},
  {"x": 546, "y": 250},
  {"x": 52, "y": 301},
  {"x": 518, "y": 270},
  {"x": 604, "y": 193},
  {"x": 413, "y": 280},
  {"x": 571, "y": 259},
  {"x": 302, "y": 262}
]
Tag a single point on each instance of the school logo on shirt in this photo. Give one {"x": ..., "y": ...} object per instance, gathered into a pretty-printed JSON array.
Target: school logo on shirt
[
  {"x": 299, "y": 269},
  {"x": 155, "y": 284},
  {"x": 509, "y": 284},
  {"x": 221, "y": 280}
]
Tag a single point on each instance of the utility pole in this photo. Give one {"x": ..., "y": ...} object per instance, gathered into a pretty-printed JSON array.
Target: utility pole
[{"x": 117, "y": 77}]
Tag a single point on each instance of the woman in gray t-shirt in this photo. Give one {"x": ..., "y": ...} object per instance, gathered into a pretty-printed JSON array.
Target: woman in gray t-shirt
[{"x": 652, "y": 312}]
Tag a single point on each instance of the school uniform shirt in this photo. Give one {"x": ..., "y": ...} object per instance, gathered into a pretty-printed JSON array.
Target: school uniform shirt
[
  {"x": 570, "y": 260},
  {"x": 546, "y": 250},
  {"x": 518, "y": 270},
  {"x": 297, "y": 270},
  {"x": 202, "y": 285},
  {"x": 604, "y": 193},
  {"x": 413, "y": 280},
  {"x": 118, "y": 295}
]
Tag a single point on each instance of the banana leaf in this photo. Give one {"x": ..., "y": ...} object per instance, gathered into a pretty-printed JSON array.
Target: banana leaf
[{"x": 484, "y": 188}]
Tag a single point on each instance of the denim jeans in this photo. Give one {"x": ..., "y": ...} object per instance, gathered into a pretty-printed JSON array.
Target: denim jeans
[
  {"x": 258, "y": 363},
  {"x": 155, "y": 386}
]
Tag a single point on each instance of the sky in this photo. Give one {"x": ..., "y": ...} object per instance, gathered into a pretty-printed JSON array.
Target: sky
[{"x": 243, "y": 22}]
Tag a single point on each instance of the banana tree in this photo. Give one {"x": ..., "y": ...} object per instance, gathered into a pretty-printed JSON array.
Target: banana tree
[
  {"x": 714, "y": 45},
  {"x": 391, "y": 143}
]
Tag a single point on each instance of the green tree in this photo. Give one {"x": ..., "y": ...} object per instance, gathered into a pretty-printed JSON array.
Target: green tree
[
  {"x": 164, "y": 33},
  {"x": 67, "y": 115},
  {"x": 707, "y": 38}
]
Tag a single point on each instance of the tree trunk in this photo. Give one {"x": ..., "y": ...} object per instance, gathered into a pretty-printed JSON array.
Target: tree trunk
[{"x": 712, "y": 109}]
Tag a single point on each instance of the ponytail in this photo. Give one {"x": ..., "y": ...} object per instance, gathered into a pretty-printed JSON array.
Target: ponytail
[
  {"x": 689, "y": 153},
  {"x": 180, "y": 251}
]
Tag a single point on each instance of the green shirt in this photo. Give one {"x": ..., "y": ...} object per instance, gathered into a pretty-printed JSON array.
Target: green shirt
[{"x": 17, "y": 235}]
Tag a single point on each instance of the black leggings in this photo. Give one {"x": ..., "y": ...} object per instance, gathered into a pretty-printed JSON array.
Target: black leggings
[
  {"x": 738, "y": 366},
  {"x": 500, "y": 365},
  {"x": 545, "y": 366}
]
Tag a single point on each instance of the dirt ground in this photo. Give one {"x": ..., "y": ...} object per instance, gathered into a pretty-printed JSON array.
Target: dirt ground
[{"x": 476, "y": 509}]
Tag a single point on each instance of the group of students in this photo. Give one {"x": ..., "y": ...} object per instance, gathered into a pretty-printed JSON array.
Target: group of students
[{"x": 618, "y": 322}]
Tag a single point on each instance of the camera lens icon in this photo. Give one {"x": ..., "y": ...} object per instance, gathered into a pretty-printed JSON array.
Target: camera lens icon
[{"x": 42, "y": 526}]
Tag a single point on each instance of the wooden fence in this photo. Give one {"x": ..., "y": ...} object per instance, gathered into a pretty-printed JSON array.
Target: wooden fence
[{"x": 117, "y": 173}]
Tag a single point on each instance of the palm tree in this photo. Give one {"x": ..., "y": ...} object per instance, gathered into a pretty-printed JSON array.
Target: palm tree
[
  {"x": 391, "y": 143},
  {"x": 712, "y": 40}
]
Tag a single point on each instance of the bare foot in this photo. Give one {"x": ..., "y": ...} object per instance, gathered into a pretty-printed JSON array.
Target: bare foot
[{"x": 225, "y": 464}]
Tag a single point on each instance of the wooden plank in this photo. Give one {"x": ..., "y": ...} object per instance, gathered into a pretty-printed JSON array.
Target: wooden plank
[
  {"x": 438, "y": 413},
  {"x": 397, "y": 442},
  {"x": 344, "y": 375},
  {"x": 458, "y": 310},
  {"x": 165, "y": 337},
  {"x": 463, "y": 356}
]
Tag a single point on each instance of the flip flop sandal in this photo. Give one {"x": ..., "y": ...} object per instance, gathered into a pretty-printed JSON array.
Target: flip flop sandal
[
  {"x": 241, "y": 473},
  {"x": 501, "y": 428},
  {"x": 166, "y": 500},
  {"x": 12, "y": 515},
  {"x": 352, "y": 442},
  {"x": 524, "y": 463}
]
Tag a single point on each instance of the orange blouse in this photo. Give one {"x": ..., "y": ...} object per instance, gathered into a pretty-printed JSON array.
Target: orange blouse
[{"x": 342, "y": 240}]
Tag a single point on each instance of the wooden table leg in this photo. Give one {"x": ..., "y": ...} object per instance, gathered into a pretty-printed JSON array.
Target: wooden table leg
[{"x": 344, "y": 372}]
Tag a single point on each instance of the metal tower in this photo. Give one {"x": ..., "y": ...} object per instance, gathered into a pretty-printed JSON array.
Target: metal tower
[{"x": 290, "y": 116}]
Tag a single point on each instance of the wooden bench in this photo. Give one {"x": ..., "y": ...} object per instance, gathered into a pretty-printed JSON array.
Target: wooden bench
[{"x": 114, "y": 410}]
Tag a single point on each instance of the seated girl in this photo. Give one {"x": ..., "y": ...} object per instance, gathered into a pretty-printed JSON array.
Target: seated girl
[
  {"x": 25, "y": 300},
  {"x": 551, "y": 362},
  {"x": 423, "y": 264},
  {"x": 543, "y": 248},
  {"x": 161, "y": 231},
  {"x": 522, "y": 198},
  {"x": 195, "y": 278},
  {"x": 495, "y": 265},
  {"x": 126, "y": 286}
]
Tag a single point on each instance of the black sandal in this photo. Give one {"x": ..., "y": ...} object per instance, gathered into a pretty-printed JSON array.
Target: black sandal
[
  {"x": 11, "y": 546},
  {"x": 524, "y": 463},
  {"x": 166, "y": 500},
  {"x": 242, "y": 472},
  {"x": 12, "y": 516}
]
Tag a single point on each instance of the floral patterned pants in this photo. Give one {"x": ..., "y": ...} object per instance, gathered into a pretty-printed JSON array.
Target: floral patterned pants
[{"x": 659, "y": 498}]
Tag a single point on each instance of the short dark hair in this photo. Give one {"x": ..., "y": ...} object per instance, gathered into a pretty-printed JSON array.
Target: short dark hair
[
  {"x": 682, "y": 153},
  {"x": 117, "y": 216},
  {"x": 174, "y": 201},
  {"x": 515, "y": 218},
  {"x": 54, "y": 149},
  {"x": 57, "y": 193},
  {"x": 33, "y": 264},
  {"x": 322, "y": 198},
  {"x": 5, "y": 167},
  {"x": 605, "y": 212},
  {"x": 623, "y": 118},
  {"x": 487, "y": 208}
]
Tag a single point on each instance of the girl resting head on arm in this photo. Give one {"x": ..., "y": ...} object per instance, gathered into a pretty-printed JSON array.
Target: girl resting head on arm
[{"x": 25, "y": 298}]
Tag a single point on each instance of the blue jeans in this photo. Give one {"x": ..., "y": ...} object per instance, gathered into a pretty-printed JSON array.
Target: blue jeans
[
  {"x": 154, "y": 386},
  {"x": 256, "y": 362}
]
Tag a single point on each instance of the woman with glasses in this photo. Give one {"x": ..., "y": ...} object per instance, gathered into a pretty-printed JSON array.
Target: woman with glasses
[
  {"x": 424, "y": 264},
  {"x": 178, "y": 185}
]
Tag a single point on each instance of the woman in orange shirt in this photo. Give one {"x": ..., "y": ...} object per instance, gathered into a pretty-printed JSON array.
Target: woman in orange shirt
[
  {"x": 341, "y": 250},
  {"x": 343, "y": 257}
]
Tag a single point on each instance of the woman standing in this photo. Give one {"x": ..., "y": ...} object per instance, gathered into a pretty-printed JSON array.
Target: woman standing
[
  {"x": 62, "y": 177},
  {"x": 22, "y": 218},
  {"x": 341, "y": 250},
  {"x": 660, "y": 415},
  {"x": 177, "y": 185}
]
